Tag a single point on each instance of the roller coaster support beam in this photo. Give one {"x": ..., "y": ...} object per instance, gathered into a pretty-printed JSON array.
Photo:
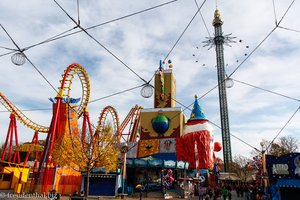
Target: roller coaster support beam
[
  {"x": 133, "y": 119},
  {"x": 52, "y": 134},
  {"x": 46, "y": 156},
  {"x": 86, "y": 124},
  {"x": 35, "y": 140},
  {"x": 12, "y": 130},
  {"x": 134, "y": 130}
]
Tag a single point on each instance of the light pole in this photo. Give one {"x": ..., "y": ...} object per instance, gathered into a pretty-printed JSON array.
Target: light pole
[
  {"x": 264, "y": 168},
  {"x": 124, "y": 150}
]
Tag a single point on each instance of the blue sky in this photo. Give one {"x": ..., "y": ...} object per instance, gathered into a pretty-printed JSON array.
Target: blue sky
[{"x": 140, "y": 41}]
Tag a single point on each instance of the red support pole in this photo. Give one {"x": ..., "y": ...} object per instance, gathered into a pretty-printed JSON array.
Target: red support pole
[
  {"x": 16, "y": 154},
  {"x": 27, "y": 156},
  {"x": 90, "y": 126},
  {"x": 83, "y": 131},
  {"x": 37, "y": 175},
  {"x": 52, "y": 132},
  {"x": 5, "y": 144},
  {"x": 33, "y": 141},
  {"x": 86, "y": 124},
  {"x": 10, "y": 141},
  {"x": 36, "y": 136}
]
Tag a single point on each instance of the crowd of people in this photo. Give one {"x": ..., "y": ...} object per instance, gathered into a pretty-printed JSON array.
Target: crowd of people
[
  {"x": 250, "y": 192},
  {"x": 225, "y": 192}
]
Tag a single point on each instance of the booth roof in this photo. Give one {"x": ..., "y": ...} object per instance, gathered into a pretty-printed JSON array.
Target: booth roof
[{"x": 229, "y": 176}]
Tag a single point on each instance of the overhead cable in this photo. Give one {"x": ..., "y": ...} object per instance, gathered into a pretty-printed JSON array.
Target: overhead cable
[
  {"x": 92, "y": 101},
  {"x": 274, "y": 10},
  {"x": 20, "y": 50},
  {"x": 184, "y": 31},
  {"x": 117, "y": 93},
  {"x": 276, "y": 26},
  {"x": 166, "y": 57},
  {"x": 266, "y": 90},
  {"x": 37, "y": 44},
  {"x": 236, "y": 137},
  {"x": 202, "y": 19},
  {"x": 282, "y": 128},
  {"x": 289, "y": 29},
  {"x": 104, "y": 47},
  {"x": 63, "y": 35}
]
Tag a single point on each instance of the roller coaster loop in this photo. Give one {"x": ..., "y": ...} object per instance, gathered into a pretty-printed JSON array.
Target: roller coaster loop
[
  {"x": 102, "y": 121},
  {"x": 64, "y": 92}
]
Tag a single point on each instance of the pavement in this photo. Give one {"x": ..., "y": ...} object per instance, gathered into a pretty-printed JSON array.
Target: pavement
[
  {"x": 10, "y": 195},
  {"x": 173, "y": 195}
]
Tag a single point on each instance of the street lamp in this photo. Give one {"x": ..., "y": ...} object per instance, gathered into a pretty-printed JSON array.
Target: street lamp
[
  {"x": 229, "y": 82},
  {"x": 18, "y": 58},
  {"x": 124, "y": 150},
  {"x": 147, "y": 91}
]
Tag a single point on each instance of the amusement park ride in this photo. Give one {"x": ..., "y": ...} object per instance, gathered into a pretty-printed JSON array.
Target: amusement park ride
[
  {"x": 62, "y": 122},
  {"x": 151, "y": 140},
  {"x": 156, "y": 138}
]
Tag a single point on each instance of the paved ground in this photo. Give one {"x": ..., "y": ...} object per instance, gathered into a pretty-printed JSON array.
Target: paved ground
[
  {"x": 156, "y": 196},
  {"x": 10, "y": 195}
]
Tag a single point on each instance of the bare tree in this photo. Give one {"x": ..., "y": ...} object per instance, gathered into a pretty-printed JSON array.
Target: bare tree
[
  {"x": 285, "y": 145},
  {"x": 241, "y": 165}
]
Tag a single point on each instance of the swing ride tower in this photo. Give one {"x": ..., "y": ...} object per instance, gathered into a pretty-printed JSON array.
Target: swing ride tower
[{"x": 218, "y": 42}]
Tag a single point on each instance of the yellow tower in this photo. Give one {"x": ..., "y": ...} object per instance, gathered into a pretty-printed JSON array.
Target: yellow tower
[
  {"x": 165, "y": 88},
  {"x": 161, "y": 125}
]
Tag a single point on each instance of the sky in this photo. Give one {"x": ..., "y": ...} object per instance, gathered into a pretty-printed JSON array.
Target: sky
[{"x": 131, "y": 38}]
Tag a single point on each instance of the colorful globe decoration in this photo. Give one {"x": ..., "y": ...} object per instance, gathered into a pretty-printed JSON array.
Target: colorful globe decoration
[{"x": 160, "y": 124}]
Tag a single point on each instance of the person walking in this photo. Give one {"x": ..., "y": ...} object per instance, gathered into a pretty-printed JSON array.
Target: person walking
[
  {"x": 217, "y": 192},
  {"x": 242, "y": 190},
  {"x": 201, "y": 192},
  {"x": 210, "y": 192},
  {"x": 237, "y": 189},
  {"x": 224, "y": 193},
  {"x": 229, "y": 195}
]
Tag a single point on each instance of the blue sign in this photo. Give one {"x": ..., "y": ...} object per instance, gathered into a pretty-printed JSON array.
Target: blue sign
[
  {"x": 140, "y": 163},
  {"x": 180, "y": 164},
  {"x": 169, "y": 164},
  {"x": 286, "y": 166},
  {"x": 155, "y": 163}
]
